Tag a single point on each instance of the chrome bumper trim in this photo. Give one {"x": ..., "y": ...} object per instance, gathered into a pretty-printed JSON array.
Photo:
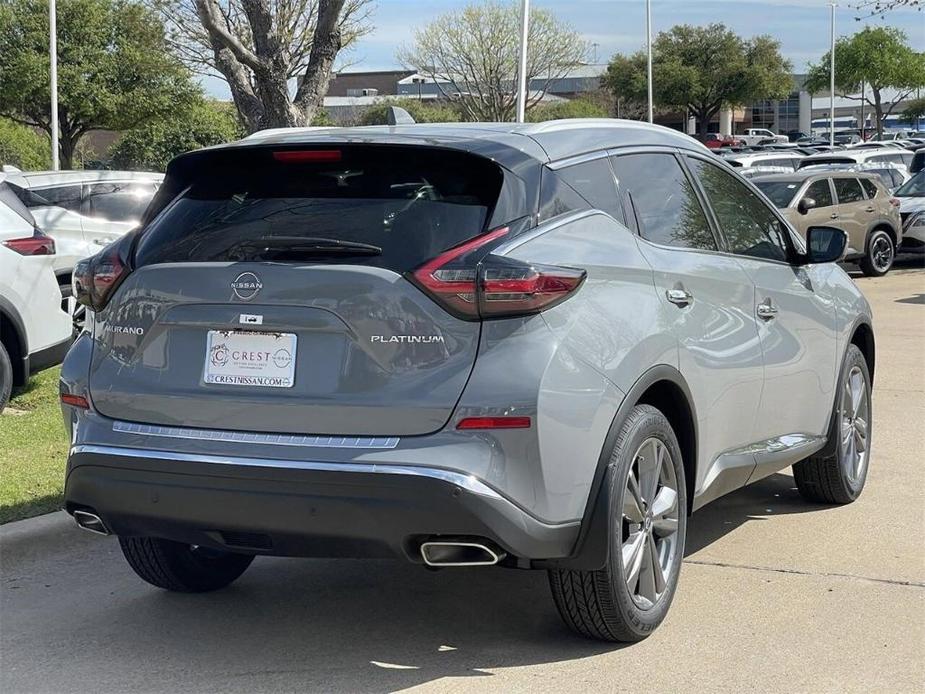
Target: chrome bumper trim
[
  {"x": 467, "y": 482},
  {"x": 379, "y": 442}
]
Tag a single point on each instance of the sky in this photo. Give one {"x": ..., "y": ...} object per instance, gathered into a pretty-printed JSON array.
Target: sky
[{"x": 618, "y": 26}]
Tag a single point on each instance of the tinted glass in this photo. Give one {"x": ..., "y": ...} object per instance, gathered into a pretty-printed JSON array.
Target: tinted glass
[
  {"x": 821, "y": 192},
  {"x": 118, "y": 202},
  {"x": 665, "y": 204},
  {"x": 786, "y": 163},
  {"x": 412, "y": 204},
  {"x": 779, "y": 192},
  {"x": 749, "y": 225},
  {"x": 67, "y": 197},
  {"x": 594, "y": 181},
  {"x": 10, "y": 196},
  {"x": 558, "y": 197},
  {"x": 869, "y": 187},
  {"x": 913, "y": 188},
  {"x": 848, "y": 190}
]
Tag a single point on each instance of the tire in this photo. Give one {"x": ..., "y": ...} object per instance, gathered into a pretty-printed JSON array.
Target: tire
[
  {"x": 182, "y": 568},
  {"x": 834, "y": 475},
  {"x": 6, "y": 377},
  {"x": 880, "y": 254},
  {"x": 601, "y": 604}
]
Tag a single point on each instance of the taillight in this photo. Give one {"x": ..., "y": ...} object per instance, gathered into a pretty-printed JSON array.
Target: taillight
[
  {"x": 37, "y": 244},
  {"x": 297, "y": 156},
  {"x": 494, "y": 286},
  {"x": 97, "y": 277}
]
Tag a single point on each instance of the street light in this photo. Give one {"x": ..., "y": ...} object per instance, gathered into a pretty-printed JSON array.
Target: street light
[
  {"x": 649, "y": 55},
  {"x": 522, "y": 73},
  {"x": 53, "y": 79},
  {"x": 833, "y": 5}
]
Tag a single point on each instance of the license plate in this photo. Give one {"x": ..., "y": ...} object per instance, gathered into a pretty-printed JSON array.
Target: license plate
[{"x": 243, "y": 358}]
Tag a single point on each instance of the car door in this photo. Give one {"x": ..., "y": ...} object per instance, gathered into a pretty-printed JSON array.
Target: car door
[
  {"x": 111, "y": 208},
  {"x": 795, "y": 323},
  {"x": 824, "y": 213},
  {"x": 708, "y": 300},
  {"x": 853, "y": 216}
]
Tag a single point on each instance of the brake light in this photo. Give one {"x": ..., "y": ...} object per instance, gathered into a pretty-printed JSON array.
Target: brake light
[
  {"x": 97, "y": 277},
  {"x": 37, "y": 244},
  {"x": 75, "y": 401},
  {"x": 307, "y": 155},
  {"x": 470, "y": 423}
]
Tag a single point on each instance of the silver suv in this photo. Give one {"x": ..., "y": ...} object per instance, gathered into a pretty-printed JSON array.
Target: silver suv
[{"x": 540, "y": 346}]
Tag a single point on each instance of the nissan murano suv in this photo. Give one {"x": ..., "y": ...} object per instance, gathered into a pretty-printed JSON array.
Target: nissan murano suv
[{"x": 538, "y": 346}]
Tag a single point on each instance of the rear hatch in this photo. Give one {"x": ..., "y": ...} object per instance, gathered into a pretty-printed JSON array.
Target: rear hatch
[{"x": 272, "y": 295}]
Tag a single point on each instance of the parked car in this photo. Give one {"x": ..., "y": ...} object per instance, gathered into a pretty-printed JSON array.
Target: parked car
[
  {"x": 84, "y": 210},
  {"x": 857, "y": 203},
  {"x": 911, "y": 197},
  {"x": 888, "y": 136},
  {"x": 796, "y": 135},
  {"x": 748, "y": 160},
  {"x": 902, "y": 158},
  {"x": 715, "y": 141},
  {"x": 533, "y": 345},
  {"x": 752, "y": 136},
  {"x": 34, "y": 331},
  {"x": 891, "y": 175}
]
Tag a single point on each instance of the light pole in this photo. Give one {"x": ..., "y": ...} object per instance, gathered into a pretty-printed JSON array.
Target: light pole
[
  {"x": 522, "y": 73},
  {"x": 53, "y": 79},
  {"x": 649, "y": 56},
  {"x": 833, "y": 5}
]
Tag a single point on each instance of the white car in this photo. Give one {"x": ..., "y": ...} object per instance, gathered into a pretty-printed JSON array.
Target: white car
[
  {"x": 891, "y": 175},
  {"x": 911, "y": 197},
  {"x": 879, "y": 155},
  {"x": 746, "y": 160},
  {"x": 84, "y": 210},
  {"x": 754, "y": 136},
  {"x": 35, "y": 332}
]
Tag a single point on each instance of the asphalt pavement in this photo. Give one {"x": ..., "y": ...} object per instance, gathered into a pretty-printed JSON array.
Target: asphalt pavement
[{"x": 776, "y": 595}]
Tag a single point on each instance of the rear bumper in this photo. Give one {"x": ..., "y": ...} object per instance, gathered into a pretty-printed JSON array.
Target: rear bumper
[{"x": 313, "y": 509}]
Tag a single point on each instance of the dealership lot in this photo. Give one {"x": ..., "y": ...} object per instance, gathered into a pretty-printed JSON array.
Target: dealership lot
[{"x": 776, "y": 594}]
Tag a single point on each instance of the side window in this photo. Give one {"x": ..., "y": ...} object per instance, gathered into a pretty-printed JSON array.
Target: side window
[
  {"x": 67, "y": 197},
  {"x": 666, "y": 206},
  {"x": 821, "y": 193},
  {"x": 750, "y": 227},
  {"x": 118, "y": 201},
  {"x": 594, "y": 181},
  {"x": 869, "y": 187},
  {"x": 558, "y": 197},
  {"x": 848, "y": 190}
]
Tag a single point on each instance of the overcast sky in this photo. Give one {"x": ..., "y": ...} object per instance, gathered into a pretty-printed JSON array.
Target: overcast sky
[{"x": 618, "y": 26}]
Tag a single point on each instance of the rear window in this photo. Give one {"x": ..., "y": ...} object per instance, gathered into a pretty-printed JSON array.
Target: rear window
[
  {"x": 825, "y": 160},
  {"x": 779, "y": 192},
  {"x": 389, "y": 207}
]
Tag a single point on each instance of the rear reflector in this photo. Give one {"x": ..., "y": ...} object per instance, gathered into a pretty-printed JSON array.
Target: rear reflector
[
  {"x": 494, "y": 423},
  {"x": 37, "y": 244},
  {"x": 307, "y": 155},
  {"x": 75, "y": 401}
]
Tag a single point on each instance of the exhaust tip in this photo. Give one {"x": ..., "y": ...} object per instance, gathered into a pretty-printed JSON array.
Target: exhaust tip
[
  {"x": 91, "y": 522},
  {"x": 453, "y": 553}
]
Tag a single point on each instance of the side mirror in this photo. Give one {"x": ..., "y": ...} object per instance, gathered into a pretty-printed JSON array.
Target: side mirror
[
  {"x": 805, "y": 205},
  {"x": 825, "y": 245}
]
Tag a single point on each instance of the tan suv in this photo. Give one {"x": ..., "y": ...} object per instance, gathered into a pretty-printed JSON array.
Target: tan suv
[{"x": 855, "y": 202}]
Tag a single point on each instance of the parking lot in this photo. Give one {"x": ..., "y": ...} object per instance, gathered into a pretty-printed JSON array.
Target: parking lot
[{"x": 775, "y": 594}]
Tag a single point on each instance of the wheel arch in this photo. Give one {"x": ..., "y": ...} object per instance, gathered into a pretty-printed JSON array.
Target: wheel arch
[
  {"x": 664, "y": 388},
  {"x": 862, "y": 336},
  {"x": 13, "y": 337}
]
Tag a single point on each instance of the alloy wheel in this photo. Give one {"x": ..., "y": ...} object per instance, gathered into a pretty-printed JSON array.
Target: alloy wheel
[
  {"x": 650, "y": 523},
  {"x": 881, "y": 253},
  {"x": 855, "y": 420}
]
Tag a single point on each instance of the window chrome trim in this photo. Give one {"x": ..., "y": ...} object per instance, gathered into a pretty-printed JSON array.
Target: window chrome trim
[
  {"x": 225, "y": 436},
  {"x": 468, "y": 482}
]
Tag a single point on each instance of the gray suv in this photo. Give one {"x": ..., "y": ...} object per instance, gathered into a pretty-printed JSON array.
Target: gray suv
[{"x": 539, "y": 346}]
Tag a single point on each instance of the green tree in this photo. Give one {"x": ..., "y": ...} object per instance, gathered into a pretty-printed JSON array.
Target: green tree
[
  {"x": 575, "y": 108},
  {"x": 877, "y": 59},
  {"x": 152, "y": 146},
  {"x": 703, "y": 70},
  {"x": 914, "y": 109},
  {"x": 472, "y": 56},
  {"x": 23, "y": 147},
  {"x": 114, "y": 69},
  {"x": 421, "y": 111}
]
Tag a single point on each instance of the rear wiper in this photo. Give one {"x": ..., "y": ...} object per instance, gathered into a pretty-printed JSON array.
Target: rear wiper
[{"x": 274, "y": 247}]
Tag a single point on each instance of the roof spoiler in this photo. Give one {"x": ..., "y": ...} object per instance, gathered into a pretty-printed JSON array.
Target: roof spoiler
[{"x": 398, "y": 116}]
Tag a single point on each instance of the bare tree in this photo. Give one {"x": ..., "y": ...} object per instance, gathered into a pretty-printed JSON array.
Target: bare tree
[
  {"x": 472, "y": 55},
  {"x": 258, "y": 46},
  {"x": 873, "y": 8}
]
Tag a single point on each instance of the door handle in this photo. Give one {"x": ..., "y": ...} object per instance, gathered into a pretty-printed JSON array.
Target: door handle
[
  {"x": 870, "y": 209},
  {"x": 679, "y": 296},
  {"x": 766, "y": 310},
  {"x": 833, "y": 216}
]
